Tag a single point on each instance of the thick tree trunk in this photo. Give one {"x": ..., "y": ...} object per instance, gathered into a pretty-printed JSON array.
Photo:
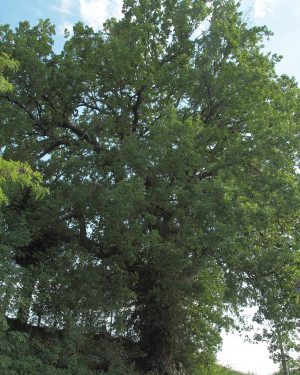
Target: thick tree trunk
[{"x": 159, "y": 326}]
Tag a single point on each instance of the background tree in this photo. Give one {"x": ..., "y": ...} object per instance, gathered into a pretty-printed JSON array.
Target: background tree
[
  {"x": 6, "y": 63},
  {"x": 14, "y": 171}
]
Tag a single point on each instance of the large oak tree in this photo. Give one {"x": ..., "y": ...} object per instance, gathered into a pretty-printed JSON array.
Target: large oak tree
[{"x": 170, "y": 154}]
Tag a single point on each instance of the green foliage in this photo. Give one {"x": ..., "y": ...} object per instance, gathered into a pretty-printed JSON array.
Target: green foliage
[
  {"x": 42, "y": 351},
  {"x": 21, "y": 174},
  {"x": 215, "y": 369},
  {"x": 16, "y": 172},
  {"x": 6, "y": 63},
  {"x": 170, "y": 158}
]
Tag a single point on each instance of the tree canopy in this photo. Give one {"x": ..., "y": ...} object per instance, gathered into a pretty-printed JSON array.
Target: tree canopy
[{"x": 170, "y": 154}]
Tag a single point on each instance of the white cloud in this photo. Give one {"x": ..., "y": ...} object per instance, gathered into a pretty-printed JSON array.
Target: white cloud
[
  {"x": 262, "y": 7},
  {"x": 65, "y": 6},
  {"x": 95, "y": 12}
]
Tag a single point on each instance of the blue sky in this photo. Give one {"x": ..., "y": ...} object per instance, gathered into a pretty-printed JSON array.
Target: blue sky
[{"x": 281, "y": 16}]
